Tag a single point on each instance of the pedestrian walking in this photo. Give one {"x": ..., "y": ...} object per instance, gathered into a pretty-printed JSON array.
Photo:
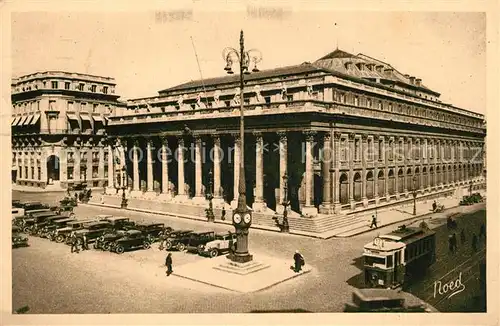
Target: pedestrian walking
[
  {"x": 298, "y": 260},
  {"x": 474, "y": 242},
  {"x": 168, "y": 263},
  {"x": 462, "y": 237},
  {"x": 454, "y": 241},
  {"x": 434, "y": 206},
  {"x": 223, "y": 216},
  {"x": 482, "y": 232},
  {"x": 74, "y": 243},
  {"x": 85, "y": 245},
  {"x": 374, "y": 221},
  {"x": 450, "y": 243},
  {"x": 76, "y": 197}
]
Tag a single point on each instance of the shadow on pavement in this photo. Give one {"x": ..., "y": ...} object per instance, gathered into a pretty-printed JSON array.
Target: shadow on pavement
[{"x": 281, "y": 310}]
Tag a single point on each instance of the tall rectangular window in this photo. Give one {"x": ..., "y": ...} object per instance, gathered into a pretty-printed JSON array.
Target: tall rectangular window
[
  {"x": 356, "y": 101},
  {"x": 380, "y": 149},
  {"x": 370, "y": 149},
  {"x": 67, "y": 85},
  {"x": 55, "y": 84},
  {"x": 93, "y": 88},
  {"x": 81, "y": 86},
  {"x": 369, "y": 102},
  {"x": 70, "y": 106},
  {"x": 105, "y": 89},
  {"x": 357, "y": 149},
  {"x": 343, "y": 150}
]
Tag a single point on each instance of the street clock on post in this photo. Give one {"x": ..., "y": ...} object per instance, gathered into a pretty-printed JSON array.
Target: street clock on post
[{"x": 242, "y": 219}]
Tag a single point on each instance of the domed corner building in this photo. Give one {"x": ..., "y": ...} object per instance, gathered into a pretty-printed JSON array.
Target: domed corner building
[{"x": 351, "y": 133}]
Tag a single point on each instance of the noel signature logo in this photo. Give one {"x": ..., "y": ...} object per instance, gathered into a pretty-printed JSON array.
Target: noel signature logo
[{"x": 450, "y": 288}]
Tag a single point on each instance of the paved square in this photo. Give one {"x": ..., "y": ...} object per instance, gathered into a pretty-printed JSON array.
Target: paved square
[{"x": 267, "y": 272}]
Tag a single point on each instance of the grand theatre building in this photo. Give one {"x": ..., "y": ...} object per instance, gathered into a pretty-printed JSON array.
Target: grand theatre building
[{"x": 351, "y": 134}]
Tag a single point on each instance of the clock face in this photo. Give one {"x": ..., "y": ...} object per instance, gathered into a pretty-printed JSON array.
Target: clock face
[
  {"x": 247, "y": 218},
  {"x": 237, "y": 218}
]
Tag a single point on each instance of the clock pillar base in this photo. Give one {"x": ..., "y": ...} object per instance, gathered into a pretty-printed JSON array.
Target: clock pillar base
[{"x": 241, "y": 258}]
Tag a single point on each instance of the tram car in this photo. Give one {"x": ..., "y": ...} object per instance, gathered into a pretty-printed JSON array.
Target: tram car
[{"x": 394, "y": 259}]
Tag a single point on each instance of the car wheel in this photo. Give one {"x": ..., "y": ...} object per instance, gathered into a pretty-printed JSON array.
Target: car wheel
[
  {"x": 106, "y": 246},
  {"x": 168, "y": 245},
  {"x": 181, "y": 247},
  {"x": 26, "y": 229},
  {"x": 214, "y": 253},
  {"x": 119, "y": 249},
  {"x": 146, "y": 245},
  {"x": 200, "y": 249},
  {"x": 96, "y": 245}
]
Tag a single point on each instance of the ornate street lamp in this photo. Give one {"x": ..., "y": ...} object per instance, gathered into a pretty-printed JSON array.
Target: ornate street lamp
[
  {"x": 242, "y": 216},
  {"x": 124, "y": 186},
  {"x": 210, "y": 210},
  {"x": 285, "y": 203},
  {"x": 414, "y": 195}
]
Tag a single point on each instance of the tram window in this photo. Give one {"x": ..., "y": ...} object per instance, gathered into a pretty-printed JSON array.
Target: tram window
[
  {"x": 389, "y": 261},
  {"x": 370, "y": 260}
]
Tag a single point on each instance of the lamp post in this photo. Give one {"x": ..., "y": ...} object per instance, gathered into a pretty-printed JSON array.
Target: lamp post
[
  {"x": 210, "y": 210},
  {"x": 242, "y": 216},
  {"x": 414, "y": 195},
  {"x": 285, "y": 203},
  {"x": 124, "y": 186}
]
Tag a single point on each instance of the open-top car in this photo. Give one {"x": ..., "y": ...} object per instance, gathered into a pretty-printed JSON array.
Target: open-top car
[
  {"x": 221, "y": 245},
  {"x": 18, "y": 239},
  {"x": 104, "y": 241},
  {"x": 152, "y": 230},
  {"x": 196, "y": 240},
  {"x": 132, "y": 239},
  {"x": 175, "y": 237},
  {"x": 93, "y": 231},
  {"x": 62, "y": 234}
]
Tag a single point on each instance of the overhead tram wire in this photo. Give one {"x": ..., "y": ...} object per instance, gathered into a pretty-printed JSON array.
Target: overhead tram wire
[{"x": 199, "y": 69}]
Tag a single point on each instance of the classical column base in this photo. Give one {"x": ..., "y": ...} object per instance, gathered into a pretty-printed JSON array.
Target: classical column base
[
  {"x": 325, "y": 208},
  {"x": 111, "y": 191},
  {"x": 365, "y": 202},
  {"x": 234, "y": 203},
  {"x": 150, "y": 195},
  {"x": 241, "y": 259},
  {"x": 337, "y": 208},
  {"x": 166, "y": 196},
  {"x": 136, "y": 194},
  {"x": 260, "y": 206},
  {"x": 200, "y": 200},
  {"x": 310, "y": 211},
  {"x": 218, "y": 202},
  {"x": 397, "y": 196},
  {"x": 352, "y": 203},
  {"x": 181, "y": 199}
]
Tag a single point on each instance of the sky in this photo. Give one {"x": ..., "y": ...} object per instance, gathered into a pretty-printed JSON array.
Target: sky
[{"x": 152, "y": 50}]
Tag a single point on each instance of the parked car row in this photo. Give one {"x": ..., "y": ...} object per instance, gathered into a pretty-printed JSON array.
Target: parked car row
[
  {"x": 119, "y": 234},
  {"x": 472, "y": 199}
]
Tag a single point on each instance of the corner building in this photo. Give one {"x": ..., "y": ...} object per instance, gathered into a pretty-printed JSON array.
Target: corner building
[
  {"x": 58, "y": 129},
  {"x": 351, "y": 132}
]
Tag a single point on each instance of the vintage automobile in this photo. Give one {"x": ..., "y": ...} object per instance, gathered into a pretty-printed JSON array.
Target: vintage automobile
[
  {"x": 152, "y": 230},
  {"x": 105, "y": 240},
  {"x": 93, "y": 231},
  {"x": 196, "y": 240},
  {"x": 18, "y": 239},
  {"x": 48, "y": 230},
  {"x": 175, "y": 236},
  {"x": 132, "y": 239},
  {"x": 38, "y": 228},
  {"x": 68, "y": 201},
  {"x": 382, "y": 300},
  {"x": 37, "y": 218},
  {"x": 220, "y": 245},
  {"x": 17, "y": 212},
  {"x": 32, "y": 205},
  {"x": 61, "y": 235},
  {"x": 119, "y": 222}
]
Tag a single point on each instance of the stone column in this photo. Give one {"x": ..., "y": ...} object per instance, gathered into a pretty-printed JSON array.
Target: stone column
[
  {"x": 181, "y": 192},
  {"x": 90, "y": 165},
  {"x": 165, "y": 182},
  {"x": 396, "y": 166},
  {"x": 376, "y": 163},
  {"x": 100, "y": 167},
  {"x": 136, "y": 188},
  {"x": 198, "y": 184},
  {"x": 406, "y": 147},
  {"x": 259, "y": 204},
  {"x": 30, "y": 175},
  {"x": 36, "y": 161},
  {"x": 386, "y": 169},
  {"x": 309, "y": 208},
  {"x": 352, "y": 136},
  {"x": 237, "y": 143},
  {"x": 43, "y": 163},
  {"x": 363, "y": 149},
  {"x": 326, "y": 163},
  {"x": 336, "y": 176},
  {"x": 150, "y": 193},
  {"x": 77, "y": 165},
  {"x": 217, "y": 201},
  {"x": 63, "y": 167},
  {"x": 110, "y": 189},
  {"x": 283, "y": 149}
]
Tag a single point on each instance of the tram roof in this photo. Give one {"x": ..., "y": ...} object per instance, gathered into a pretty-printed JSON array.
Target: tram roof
[{"x": 384, "y": 246}]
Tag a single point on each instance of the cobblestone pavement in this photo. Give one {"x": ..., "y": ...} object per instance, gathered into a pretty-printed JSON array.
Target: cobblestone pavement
[{"x": 49, "y": 279}]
